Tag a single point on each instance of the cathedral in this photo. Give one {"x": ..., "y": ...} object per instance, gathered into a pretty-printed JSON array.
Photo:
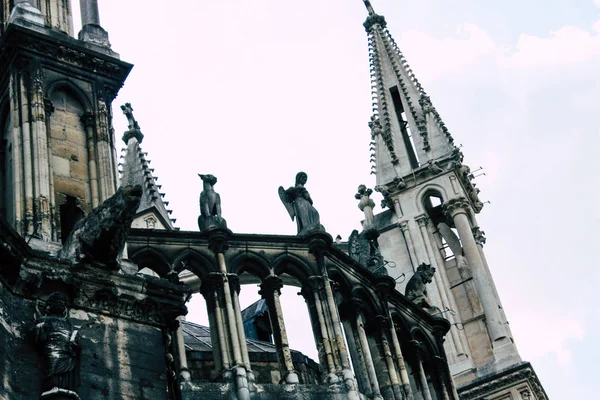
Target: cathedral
[{"x": 95, "y": 276}]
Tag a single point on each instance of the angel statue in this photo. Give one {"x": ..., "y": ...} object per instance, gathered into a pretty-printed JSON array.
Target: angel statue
[{"x": 298, "y": 203}]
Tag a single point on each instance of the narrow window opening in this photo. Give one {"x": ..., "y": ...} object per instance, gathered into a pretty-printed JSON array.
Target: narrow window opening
[
  {"x": 433, "y": 206},
  {"x": 70, "y": 213},
  {"x": 404, "y": 129}
]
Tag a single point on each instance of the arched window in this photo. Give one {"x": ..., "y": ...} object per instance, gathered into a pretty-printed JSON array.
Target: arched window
[{"x": 432, "y": 202}]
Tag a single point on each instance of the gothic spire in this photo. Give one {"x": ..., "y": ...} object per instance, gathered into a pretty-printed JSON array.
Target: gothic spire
[
  {"x": 135, "y": 170},
  {"x": 408, "y": 135}
]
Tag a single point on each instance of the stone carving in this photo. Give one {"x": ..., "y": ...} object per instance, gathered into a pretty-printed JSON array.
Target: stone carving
[
  {"x": 133, "y": 126},
  {"x": 365, "y": 204},
  {"x": 416, "y": 288},
  {"x": 364, "y": 248},
  {"x": 100, "y": 237},
  {"x": 210, "y": 205},
  {"x": 58, "y": 343},
  {"x": 299, "y": 205}
]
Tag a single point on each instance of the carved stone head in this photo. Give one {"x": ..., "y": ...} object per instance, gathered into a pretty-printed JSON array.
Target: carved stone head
[
  {"x": 208, "y": 178},
  {"x": 301, "y": 178}
]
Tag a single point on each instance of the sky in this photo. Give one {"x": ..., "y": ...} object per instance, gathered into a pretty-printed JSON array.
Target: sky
[{"x": 255, "y": 91}]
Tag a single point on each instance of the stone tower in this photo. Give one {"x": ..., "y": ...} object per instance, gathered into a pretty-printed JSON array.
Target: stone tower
[
  {"x": 432, "y": 212},
  {"x": 57, "y": 158}
]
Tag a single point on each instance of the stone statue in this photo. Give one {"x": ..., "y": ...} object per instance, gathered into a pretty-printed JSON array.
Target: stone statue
[
  {"x": 128, "y": 111},
  {"x": 59, "y": 344},
  {"x": 416, "y": 289},
  {"x": 210, "y": 205},
  {"x": 100, "y": 237},
  {"x": 299, "y": 205}
]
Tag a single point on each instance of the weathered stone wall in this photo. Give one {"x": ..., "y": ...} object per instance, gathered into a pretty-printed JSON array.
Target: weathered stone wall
[
  {"x": 69, "y": 150},
  {"x": 119, "y": 359},
  {"x": 20, "y": 369}
]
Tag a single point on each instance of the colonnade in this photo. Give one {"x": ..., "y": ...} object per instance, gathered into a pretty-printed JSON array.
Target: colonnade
[{"x": 344, "y": 329}]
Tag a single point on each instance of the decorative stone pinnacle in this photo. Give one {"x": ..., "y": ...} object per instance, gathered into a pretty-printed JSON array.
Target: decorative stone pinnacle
[
  {"x": 365, "y": 204},
  {"x": 133, "y": 127}
]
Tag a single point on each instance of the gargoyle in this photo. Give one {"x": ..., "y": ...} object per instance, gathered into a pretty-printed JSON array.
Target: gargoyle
[
  {"x": 210, "y": 205},
  {"x": 416, "y": 288},
  {"x": 100, "y": 237}
]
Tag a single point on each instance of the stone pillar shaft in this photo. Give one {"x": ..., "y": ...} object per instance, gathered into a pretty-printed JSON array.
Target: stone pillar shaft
[
  {"x": 184, "y": 372},
  {"x": 324, "y": 339},
  {"x": 89, "y": 12},
  {"x": 358, "y": 360},
  {"x": 423, "y": 381},
  {"x": 480, "y": 277},
  {"x": 270, "y": 291},
  {"x": 442, "y": 286},
  {"x": 364, "y": 344},
  {"x": 88, "y": 120}
]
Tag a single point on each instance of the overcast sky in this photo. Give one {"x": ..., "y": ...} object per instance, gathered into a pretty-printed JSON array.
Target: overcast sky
[{"x": 255, "y": 91}]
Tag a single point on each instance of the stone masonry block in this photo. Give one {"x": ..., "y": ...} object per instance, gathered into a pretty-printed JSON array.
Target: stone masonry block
[{"x": 60, "y": 166}]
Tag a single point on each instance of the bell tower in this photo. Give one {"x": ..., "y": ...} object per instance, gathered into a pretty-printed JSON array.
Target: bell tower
[
  {"x": 57, "y": 146},
  {"x": 431, "y": 218}
]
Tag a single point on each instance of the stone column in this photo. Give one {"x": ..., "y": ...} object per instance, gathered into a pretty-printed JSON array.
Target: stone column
[
  {"x": 210, "y": 290},
  {"x": 28, "y": 223},
  {"x": 457, "y": 210},
  {"x": 184, "y": 372},
  {"x": 89, "y": 12},
  {"x": 218, "y": 244},
  {"x": 358, "y": 360},
  {"x": 91, "y": 31},
  {"x": 41, "y": 176},
  {"x": 422, "y": 377},
  {"x": 442, "y": 286},
  {"x": 324, "y": 345},
  {"x": 366, "y": 351},
  {"x": 48, "y": 110},
  {"x": 400, "y": 362},
  {"x": 88, "y": 120},
  {"x": 383, "y": 324},
  {"x": 270, "y": 290},
  {"x": 409, "y": 242},
  {"x": 234, "y": 282}
]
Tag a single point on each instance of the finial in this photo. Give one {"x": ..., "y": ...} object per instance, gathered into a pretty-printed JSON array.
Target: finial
[
  {"x": 133, "y": 127},
  {"x": 369, "y": 7}
]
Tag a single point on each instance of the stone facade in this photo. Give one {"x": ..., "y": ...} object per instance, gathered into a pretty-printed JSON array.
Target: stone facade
[{"x": 102, "y": 316}]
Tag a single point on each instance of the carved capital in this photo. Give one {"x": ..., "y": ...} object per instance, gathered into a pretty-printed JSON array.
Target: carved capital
[
  {"x": 88, "y": 119},
  {"x": 403, "y": 225},
  {"x": 37, "y": 80},
  {"x": 218, "y": 240},
  {"x": 455, "y": 206},
  {"x": 318, "y": 243},
  {"x": 422, "y": 220},
  {"x": 211, "y": 284},
  {"x": 234, "y": 282},
  {"x": 270, "y": 285},
  {"x": 478, "y": 235}
]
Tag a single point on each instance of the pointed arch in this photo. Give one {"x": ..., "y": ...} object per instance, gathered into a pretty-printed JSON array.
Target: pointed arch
[
  {"x": 294, "y": 266},
  {"x": 372, "y": 305},
  {"x": 72, "y": 89},
  {"x": 425, "y": 191},
  {"x": 153, "y": 259},
  {"x": 194, "y": 261},
  {"x": 250, "y": 262}
]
